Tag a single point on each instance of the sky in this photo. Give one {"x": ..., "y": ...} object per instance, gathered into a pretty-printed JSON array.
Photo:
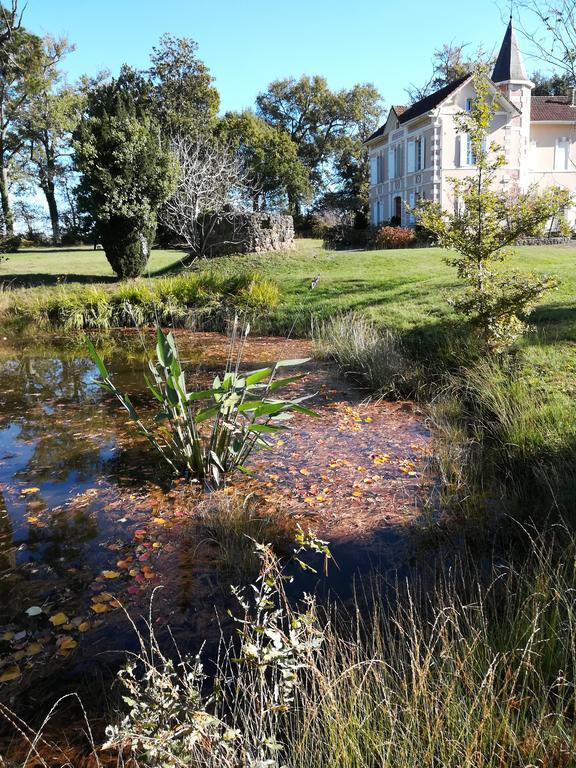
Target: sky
[{"x": 248, "y": 43}]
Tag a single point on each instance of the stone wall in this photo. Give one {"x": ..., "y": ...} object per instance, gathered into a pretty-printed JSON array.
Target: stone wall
[{"x": 252, "y": 233}]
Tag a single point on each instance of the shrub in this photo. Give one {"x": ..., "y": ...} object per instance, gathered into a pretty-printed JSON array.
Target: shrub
[
  {"x": 345, "y": 236},
  {"x": 10, "y": 243},
  {"x": 394, "y": 237}
]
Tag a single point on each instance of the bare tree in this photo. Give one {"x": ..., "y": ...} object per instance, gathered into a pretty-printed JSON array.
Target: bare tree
[
  {"x": 212, "y": 189},
  {"x": 550, "y": 27}
]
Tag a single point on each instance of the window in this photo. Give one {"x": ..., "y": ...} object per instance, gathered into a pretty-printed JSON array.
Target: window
[
  {"x": 470, "y": 159},
  {"x": 562, "y": 154},
  {"x": 398, "y": 209},
  {"x": 411, "y": 203},
  {"x": 421, "y": 153},
  {"x": 469, "y": 105}
]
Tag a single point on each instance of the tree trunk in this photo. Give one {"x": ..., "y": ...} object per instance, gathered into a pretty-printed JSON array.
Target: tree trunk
[
  {"x": 50, "y": 194},
  {"x": 4, "y": 197}
]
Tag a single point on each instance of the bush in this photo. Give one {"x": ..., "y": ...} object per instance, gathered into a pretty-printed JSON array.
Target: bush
[
  {"x": 10, "y": 243},
  {"x": 127, "y": 244},
  {"x": 344, "y": 236},
  {"x": 394, "y": 237}
]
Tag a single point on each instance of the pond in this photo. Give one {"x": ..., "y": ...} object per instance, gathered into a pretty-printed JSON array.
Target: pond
[{"x": 91, "y": 523}]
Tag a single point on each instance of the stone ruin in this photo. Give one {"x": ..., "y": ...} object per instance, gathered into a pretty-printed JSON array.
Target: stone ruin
[{"x": 251, "y": 233}]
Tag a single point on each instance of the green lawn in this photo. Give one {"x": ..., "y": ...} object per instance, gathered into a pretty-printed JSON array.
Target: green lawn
[{"x": 46, "y": 266}]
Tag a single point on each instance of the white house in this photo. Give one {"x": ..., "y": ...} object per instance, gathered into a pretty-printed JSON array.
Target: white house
[{"x": 418, "y": 149}]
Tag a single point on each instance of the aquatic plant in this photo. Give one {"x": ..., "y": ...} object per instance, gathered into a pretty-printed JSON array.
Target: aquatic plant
[{"x": 209, "y": 442}]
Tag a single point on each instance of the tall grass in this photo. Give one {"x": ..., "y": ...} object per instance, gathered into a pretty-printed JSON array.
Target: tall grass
[
  {"x": 188, "y": 299},
  {"x": 374, "y": 358}
]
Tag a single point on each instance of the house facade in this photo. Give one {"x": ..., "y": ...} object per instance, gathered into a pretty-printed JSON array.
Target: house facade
[{"x": 419, "y": 148}]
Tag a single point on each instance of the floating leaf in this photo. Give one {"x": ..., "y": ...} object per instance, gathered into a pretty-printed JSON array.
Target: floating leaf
[
  {"x": 33, "y": 649},
  {"x": 110, "y": 574},
  {"x": 13, "y": 673},
  {"x": 84, "y": 626},
  {"x": 26, "y": 491},
  {"x": 58, "y": 619},
  {"x": 34, "y": 610},
  {"x": 66, "y": 645},
  {"x": 99, "y": 607}
]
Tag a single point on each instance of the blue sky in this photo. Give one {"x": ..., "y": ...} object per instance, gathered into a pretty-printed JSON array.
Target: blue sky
[{"x": 248, "y": 43}]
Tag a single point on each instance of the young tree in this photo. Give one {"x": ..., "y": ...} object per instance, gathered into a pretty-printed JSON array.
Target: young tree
[
  {"x": 127, "y": 173},
  {"x": 485, "y": 227},
  {"x": 269, "y": 156},
  {"x": 211, "y": 187},
  {"x": 319, "y": 121}
]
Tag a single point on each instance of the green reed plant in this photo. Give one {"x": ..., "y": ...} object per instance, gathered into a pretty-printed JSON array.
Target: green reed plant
[{"x": 206, "y": 435}]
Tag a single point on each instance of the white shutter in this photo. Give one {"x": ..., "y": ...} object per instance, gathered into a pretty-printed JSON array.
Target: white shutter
[
  {"x": 561, "y": 155},
  {"x": 391, "y": 168},
  {"x": 373, "y": 171},
  {"x": 463, "y": 150},
  {"x": 411, "y": 156}
]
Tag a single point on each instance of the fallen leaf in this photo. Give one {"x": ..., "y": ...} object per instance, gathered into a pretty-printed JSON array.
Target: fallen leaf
[
  {"x": 58, "y": 619},
  {"x": 99, "y": 607},
  {"x": 34, "y": 610},
  {"x": 66, "y": 645},
  {"x": 10, "y": 674},
  {"x": 159, "y": 520},
  {"x": 26, "y": 491},
  {"x": 110, "y": 574},
  {"x": 84, "y": 627},
  {"x": 33, "y": 649}
]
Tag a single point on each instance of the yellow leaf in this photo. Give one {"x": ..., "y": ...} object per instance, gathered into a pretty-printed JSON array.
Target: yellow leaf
[
  {"x": 7, "y": 636},
  {"x": 11, "y": 674},
  {"x": 356, "y": 493},
  {"x": 159, "y": 520},
  {"x": 304, "y": 471},
  {"x": 68, "y": 644},
  {"x": 58, "y": 619},
  {"x": 25, "y": 491},
  {"x": 84, "y": 626},
  {"x": 110, "y": 574},
  {"x": 99, "y": 607},
  {"x": 33, "y": 649}
]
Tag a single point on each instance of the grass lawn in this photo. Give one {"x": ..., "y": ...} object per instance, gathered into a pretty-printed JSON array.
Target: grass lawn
[{"x": 47, "y": 266}]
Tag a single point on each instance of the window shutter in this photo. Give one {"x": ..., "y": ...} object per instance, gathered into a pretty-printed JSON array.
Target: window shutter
[
  {"x": 422, "y": 158},
  {"x": 463, "y": 150},
  {"x": 561, "y": 155},
  {"x": 411, "y": 156},
  {"x": 373, "y": 171},
  {"x": 390, "y": 163}
]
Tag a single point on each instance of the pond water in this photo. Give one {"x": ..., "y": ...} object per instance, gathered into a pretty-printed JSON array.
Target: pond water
[{"x": 91, "y": 523}]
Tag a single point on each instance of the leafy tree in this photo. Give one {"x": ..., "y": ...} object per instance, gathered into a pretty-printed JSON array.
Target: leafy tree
[
  {"x": 127, "y": 174},
  {"x": 25, "y": 65},
  {"x": 46, "y": 126},
  {"x": 269, "y": 156},
  {"x": 556, "y": 84},
  {"x": 449, "y": 63},
  {"x": 487, "y": 223},
  {"x": 181, "y": 86},
  {"x": 550, "y": 28},
  {"x": 321, "y": 122}
]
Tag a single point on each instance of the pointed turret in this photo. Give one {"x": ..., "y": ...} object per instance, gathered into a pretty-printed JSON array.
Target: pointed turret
[{"x": 509, "y": 65}]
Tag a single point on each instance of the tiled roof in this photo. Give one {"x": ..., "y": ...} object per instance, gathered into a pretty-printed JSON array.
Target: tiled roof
[
  {"x": 421, "y": 107},
  {"x": 432, "y": 101},
  {"x": 552, "y": 108}
]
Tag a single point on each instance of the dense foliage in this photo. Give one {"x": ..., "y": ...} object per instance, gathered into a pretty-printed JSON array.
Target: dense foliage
[{"x": 127, "y": 173}]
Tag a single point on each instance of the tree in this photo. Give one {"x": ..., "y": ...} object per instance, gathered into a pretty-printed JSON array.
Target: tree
[
  {"x": 550, "y": 27},
  {"x": 127, "y": 173},
  {"x": 269, "y": 156},
  {"x": 555, "y": 84},
  {"x": 181, "y": 86},
  {"x": 46, "y": 126},
  {"x": 449, "y": 63},
  {"x": 211, "y": 185},
  {"x": 319, "y": 121},
  {"x": 485, "y": 227}
]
